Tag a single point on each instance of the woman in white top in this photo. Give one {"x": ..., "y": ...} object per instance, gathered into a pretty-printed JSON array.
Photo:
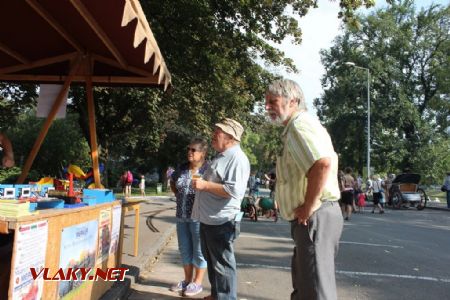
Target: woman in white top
[{"x": 377, "y": 188}]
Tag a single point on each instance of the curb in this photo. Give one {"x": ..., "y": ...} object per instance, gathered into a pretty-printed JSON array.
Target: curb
[
  {"x": 443, "y": 208},
  {"x": 438, "y": 208},
  {"x": 121, "y": 290},
  {"x": 158, "y": 247}
]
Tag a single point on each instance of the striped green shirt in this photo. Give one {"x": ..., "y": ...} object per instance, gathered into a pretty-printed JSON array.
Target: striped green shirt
[{"x": 305, "y": 141}]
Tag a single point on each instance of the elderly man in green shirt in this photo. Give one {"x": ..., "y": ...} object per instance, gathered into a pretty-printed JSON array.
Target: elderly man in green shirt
[{"x": 307, "y": 191}]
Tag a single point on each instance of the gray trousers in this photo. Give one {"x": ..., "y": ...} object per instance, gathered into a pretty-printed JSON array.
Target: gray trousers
[{"x": 316, "y": 246}]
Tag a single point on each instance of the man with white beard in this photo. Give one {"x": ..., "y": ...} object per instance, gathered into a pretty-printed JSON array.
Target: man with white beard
[{"x": 307, "y": 191}]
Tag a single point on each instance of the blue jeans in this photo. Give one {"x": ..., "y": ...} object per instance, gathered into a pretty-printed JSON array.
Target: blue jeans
[
  {"x": 188, "y": 233},
  {"x": 217, "y": 246}
]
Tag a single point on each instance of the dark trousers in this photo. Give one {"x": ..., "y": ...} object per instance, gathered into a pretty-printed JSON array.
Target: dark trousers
[
  {"x": 217, "y": 247},
  {"x": 316, "y": 246}
]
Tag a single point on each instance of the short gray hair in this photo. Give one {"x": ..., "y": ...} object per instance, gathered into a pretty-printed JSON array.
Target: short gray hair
[{"x": 287, "y": 89}]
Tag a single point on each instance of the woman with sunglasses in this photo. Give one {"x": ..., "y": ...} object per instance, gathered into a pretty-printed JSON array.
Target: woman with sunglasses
[{"x": 188, "y": 230}]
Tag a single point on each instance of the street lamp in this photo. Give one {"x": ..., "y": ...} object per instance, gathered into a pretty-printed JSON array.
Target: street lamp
[{"x": 352, "y": 64}]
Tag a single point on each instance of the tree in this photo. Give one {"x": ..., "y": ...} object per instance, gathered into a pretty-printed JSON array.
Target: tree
[
  {"x": 63, "y": 145},
  {"x": 211, "y": 49},
  {"x": 15, "y": 99},
  {"x": 407, "y": 53}
]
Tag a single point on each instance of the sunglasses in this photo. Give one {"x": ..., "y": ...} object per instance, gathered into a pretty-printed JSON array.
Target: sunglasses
[{"x": 193, "y": 150}]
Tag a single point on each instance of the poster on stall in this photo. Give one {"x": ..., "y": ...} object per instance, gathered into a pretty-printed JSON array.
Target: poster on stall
[
  {"x": 78, "y": 246},
  {"x": 115, "y": 230},
  {"x": 31, "y": 247},
  {"x": 104, "y": 234}
]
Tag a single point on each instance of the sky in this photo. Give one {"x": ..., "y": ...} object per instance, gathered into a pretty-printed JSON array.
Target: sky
[{"x": 320, "y": 26}]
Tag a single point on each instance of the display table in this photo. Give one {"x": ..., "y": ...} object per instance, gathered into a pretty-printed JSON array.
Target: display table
[
  {"x": 130, "y": 205},
  {"x": 86, "y": 237}
]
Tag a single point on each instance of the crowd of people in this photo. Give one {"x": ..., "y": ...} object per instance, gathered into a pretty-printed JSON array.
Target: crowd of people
[{"x": 355, "y": 193}]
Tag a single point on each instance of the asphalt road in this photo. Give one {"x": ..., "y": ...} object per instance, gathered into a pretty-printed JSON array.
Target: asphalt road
[
  {"x": 402, "y": 254},
  {"x": 398, "y": 255}
]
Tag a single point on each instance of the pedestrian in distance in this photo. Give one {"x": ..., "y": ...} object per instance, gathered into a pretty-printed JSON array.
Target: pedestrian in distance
[
  {"x": 188, "y": 229},
  {"x": 446, "y": 188},
  {"x": 340, "y": 179},
  {"x": 387, "y": 191},
  {"x": 361, "y": 202},
  {"x": 253, "y": 185},
  {"x": 347, "y": 193},
  {"x": 271, "y": 177},
  {"x": 142, "y": 186},
  {"x": 377, "y": 188},
  {"x": 217, "y": 207},
  {"x": 307, "y": 191},
  {"x": 126, "y": 181}
]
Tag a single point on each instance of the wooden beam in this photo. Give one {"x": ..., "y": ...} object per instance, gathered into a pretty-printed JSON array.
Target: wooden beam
[
  {"x": 52, "y": 21},
  {"x": 14, "y": 54},
  {"x": 92, "y": 128},
  {"x": 119, "y": 80},
  {"x": 48, "y": 122},
  {"x": 84, "y": 12},
  {"x": 39, "y": 63},
  {"x": 115, "y": 64}
]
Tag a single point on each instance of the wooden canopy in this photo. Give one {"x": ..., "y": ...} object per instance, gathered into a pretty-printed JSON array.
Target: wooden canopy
[{"x": 96, "y": 42}]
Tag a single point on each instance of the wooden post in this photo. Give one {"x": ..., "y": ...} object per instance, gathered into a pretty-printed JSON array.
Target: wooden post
[
  {"x": 48, "y": 122},
  {"x": 92, "y": 131}
]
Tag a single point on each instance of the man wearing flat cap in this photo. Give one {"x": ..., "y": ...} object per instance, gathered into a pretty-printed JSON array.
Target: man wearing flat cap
[{"x": 217, "y": 203}]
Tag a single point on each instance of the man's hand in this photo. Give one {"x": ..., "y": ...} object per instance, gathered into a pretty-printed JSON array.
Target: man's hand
[
  {"x": 209, "y": 186},
  {"x": 317, "y": 177},
  {"x": 303, "y": 213},
  {"x": 199, "y": 184}
]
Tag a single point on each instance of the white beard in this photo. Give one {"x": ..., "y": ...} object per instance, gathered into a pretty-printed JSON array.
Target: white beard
[{"x": 279, "y": 120}]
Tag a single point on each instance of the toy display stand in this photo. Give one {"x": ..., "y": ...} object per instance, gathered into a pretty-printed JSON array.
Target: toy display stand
[{"x": 57, "y": 221}]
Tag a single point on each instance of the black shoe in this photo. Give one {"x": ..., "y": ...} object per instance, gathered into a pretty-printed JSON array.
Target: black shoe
[
  {"x": 346, "y": 219},
  {"x": 373, "y": 211},
  {"x": 382, "y": 212}
]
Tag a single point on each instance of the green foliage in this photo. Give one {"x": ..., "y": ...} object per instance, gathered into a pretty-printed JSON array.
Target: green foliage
[
  {"x": 261, "y": 142},
  {"x": 407, "y": 53},
  {"x": 10, "y": 175},
  {"x": 14, "y": 100},
  {"x": 63, "y": 145},
  {"x": 211, "y": 49}
]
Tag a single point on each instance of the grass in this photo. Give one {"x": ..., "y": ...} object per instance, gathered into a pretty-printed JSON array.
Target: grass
[
  {"x": 433, "y": 194},
  {"x": 149, "y": 191}
]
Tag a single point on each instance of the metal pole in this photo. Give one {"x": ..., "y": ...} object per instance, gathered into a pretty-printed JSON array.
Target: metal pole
[{"x": 368, "y": 123}]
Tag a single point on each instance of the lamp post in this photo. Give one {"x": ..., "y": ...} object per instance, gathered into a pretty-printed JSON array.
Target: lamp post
[{"x": 352, "y": 64}]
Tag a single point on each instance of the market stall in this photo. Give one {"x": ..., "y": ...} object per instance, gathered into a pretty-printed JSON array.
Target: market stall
[
  {"x": 99, "y": 42},
  {"x": 55, "y": 240}
]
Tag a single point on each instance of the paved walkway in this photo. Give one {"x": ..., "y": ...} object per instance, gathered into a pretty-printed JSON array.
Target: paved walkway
[
  {"x": 157, "y": 225},
  {"x": 155, "y": 282}
]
